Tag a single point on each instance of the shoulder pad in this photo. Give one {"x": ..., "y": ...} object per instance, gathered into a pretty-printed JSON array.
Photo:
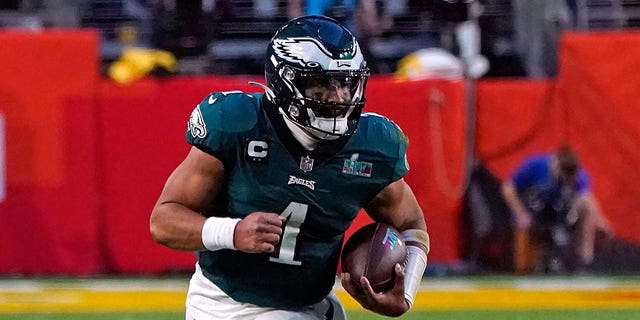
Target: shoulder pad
[
  {"x": 387, "y": 138},
  {"x": 383, "y": 128},
  {"x": 222, "y": 114}
]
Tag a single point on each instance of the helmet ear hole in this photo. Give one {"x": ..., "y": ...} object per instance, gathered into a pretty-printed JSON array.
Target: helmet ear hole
[
  {"x": 294, "y": 111},
  {"x": 288, "y": 73}
]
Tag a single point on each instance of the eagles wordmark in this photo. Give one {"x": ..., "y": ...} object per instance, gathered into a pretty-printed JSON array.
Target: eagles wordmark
[{"x": 303, "y": 182}]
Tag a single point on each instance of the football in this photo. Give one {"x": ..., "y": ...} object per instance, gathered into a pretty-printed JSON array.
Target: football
[{"x": 373, "y": 251}]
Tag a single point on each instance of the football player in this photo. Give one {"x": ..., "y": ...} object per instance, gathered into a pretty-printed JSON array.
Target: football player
[{"x": 274, "y": 179}]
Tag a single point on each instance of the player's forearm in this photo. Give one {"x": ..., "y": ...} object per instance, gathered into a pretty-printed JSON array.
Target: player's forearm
[
  {"x": 416, "y": 226},
  {"x": 418, "y": 245},
  {"x": 177, "y": 227}
]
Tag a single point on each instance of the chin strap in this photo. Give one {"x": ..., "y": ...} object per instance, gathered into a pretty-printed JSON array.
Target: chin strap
[
  {"x": 417, "y": 241},
  {"x": 305, "y": 139}
]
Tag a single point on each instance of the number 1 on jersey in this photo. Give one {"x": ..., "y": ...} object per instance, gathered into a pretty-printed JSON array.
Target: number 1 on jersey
[{"x": 295, "y": 213}]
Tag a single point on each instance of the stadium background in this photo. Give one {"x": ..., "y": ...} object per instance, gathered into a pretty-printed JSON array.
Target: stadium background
[{"x": 85, "y": 158}]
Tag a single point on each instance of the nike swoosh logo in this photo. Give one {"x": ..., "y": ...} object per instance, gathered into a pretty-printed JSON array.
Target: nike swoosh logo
[{"x": 212, "y": 100}]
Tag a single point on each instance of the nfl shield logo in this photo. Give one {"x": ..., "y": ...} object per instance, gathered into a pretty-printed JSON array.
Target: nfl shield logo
[{"x": 306, "y": 164}]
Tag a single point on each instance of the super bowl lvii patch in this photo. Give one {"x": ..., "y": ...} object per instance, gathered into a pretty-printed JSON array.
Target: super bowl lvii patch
[{"x": 357, "y": 168}]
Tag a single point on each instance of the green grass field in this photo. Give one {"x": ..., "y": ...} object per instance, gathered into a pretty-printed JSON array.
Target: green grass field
[
  {"x": 598, "y": 314},
  {"x": 481, "y": 298}
]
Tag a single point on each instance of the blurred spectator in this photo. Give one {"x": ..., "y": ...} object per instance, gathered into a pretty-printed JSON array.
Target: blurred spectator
[
  {"x": 265, "y": 9},
  {"x": 551, "y": 201},
  {"x": 457, "y": 52},
  {"x": 430, "y": 63},
  {"x": 366, "y": 19},
  {"x": 498, "y": 44},
  {"x": 370, "y": 22},
  {"x": 136, "y": 63},
  {"x": 185, "y": 27},
  {"x": 121, "y": 23},
  {"x": 295, "y": 8},
  {"x": 537, "y": 27},
  {"x": 460, "y": 33}
]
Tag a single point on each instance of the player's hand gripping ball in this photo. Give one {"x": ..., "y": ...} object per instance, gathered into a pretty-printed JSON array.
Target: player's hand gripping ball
[{"x": 373, "y": 251}]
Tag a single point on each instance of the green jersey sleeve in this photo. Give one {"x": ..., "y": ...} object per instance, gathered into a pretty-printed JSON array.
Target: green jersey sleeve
[
  {"x": 217, "y": 124},
  {"x": 389, "y": 140}
]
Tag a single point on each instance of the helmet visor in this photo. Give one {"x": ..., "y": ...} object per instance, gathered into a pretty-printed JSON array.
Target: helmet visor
[{"x": 331, "y": 95}]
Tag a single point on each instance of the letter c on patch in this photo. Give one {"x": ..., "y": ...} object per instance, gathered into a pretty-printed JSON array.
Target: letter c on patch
[{"x": 257, "y": 149}]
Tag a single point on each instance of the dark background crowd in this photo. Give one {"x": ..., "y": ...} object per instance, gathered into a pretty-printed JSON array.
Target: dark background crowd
[{"x": 517, "y": 37}]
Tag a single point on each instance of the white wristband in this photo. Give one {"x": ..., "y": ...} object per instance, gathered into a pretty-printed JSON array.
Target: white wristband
[
  {"x": 217, "y": 233},
  {"x": 416, "y": 264}
]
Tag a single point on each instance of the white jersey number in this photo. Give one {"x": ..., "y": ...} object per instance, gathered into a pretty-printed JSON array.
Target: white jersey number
[{"x": 295, "y": 213}]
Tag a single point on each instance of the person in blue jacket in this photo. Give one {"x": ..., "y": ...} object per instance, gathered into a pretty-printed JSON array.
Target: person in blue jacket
[{"x": 550, "y": 198}]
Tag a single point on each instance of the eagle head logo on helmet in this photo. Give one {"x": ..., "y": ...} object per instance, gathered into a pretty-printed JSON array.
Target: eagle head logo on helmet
[{"x": 316, "y": 51}]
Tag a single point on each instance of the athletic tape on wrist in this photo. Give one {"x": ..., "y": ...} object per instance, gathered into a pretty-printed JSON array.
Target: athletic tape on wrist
[
  {"x": 217, "y": 233},
  {"x": 416, "y": 262},
  {"x": 416, "y": 235}
]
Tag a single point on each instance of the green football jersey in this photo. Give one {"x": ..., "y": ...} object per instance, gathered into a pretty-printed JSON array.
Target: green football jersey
[{"x": 319, "y": 192}]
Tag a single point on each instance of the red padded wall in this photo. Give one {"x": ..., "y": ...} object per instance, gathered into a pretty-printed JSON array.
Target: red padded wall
[
  {"x": 598, "y": 90},
  {"x": 49, "y": 217},
  {"x": 86, "y": 158}
]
